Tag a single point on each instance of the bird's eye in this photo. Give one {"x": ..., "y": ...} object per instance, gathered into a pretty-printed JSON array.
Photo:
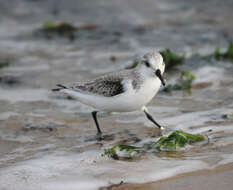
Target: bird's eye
[{"x": 147, "y": 63}]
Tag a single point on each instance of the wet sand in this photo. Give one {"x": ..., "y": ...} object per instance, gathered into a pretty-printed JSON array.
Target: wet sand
[
  {"x": 47, "y": 140},
  {"x": 211, "y": 179}
]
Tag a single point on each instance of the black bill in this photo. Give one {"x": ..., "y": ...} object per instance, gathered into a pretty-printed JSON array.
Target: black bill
[{"x": 158, "y": 74}]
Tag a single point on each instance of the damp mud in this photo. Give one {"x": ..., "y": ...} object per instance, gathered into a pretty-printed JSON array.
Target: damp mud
[{"x": 48, "y": 140}]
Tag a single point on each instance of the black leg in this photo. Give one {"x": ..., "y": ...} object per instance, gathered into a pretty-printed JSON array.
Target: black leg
[
  {"x": 94, "y": 115},
  {"x": 152, "y": 119}
]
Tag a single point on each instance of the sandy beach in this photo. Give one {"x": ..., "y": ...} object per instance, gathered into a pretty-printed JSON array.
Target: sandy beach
[{"x": 211, "y": 179}]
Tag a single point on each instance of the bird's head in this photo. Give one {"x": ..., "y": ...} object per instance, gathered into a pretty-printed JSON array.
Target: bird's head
[{"x": 152, "y": 64}]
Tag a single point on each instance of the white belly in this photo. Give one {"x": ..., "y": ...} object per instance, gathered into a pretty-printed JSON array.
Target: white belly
[{"x": 131, "y": 100}]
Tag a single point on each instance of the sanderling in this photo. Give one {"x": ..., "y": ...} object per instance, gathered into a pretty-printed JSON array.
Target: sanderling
[{"x": 123, "y": 91}]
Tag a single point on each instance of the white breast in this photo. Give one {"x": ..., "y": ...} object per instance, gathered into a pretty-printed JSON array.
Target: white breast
[
  {"x": 147, "y": 91},
  {"x": 133, "y": 99}
]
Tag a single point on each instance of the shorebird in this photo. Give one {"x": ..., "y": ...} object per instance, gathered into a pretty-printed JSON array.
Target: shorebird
[{"x": 124, "y": 91}]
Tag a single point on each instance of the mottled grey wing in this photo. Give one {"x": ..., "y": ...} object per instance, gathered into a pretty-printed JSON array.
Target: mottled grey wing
[{"x": 106, "y": 86}]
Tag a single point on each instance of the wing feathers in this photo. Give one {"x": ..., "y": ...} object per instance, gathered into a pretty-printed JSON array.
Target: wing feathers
[{"x": 105, "y": 87}]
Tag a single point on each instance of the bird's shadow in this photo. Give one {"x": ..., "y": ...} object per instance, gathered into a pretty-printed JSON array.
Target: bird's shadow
[{"x": 122, "y": 137}]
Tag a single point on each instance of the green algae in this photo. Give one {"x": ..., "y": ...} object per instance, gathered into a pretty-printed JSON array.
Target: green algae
[
  {"x": 4, "y": 63},
  {"x": 184, "y": 82},
  {"x": 186, "y": 79},
  {"x": 171, "y": 59},
  {"x": 174, "y": 141},
  {"x": 62, "y": 29},
  {"x": 59, "y": 28},
  {"x": 228, "y": 54},
  {"x": 122, "y": 151}
]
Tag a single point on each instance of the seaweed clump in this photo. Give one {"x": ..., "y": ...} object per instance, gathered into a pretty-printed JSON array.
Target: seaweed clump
[
  {"x": 228, "y": 54},
  {"x": 171, "y": 59},
  {"x": 62, "y": 29},
  {"x": 4, "y": 63},
  {"x": 174, "y": 141},
  {"x": 59, "y": 28},
  {"x": 122, "y": 151},
  {"x": 184, "y": 82},
  {"x": 186, "y": 79}
]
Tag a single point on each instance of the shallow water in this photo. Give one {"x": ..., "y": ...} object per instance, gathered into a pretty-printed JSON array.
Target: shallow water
[{"x": 47, "y": 141}]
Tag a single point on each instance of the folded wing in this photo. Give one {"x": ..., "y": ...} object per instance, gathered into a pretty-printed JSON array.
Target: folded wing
[{"x": 107, "y": 86}]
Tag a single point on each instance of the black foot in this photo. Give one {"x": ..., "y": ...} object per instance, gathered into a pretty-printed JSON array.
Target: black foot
[
  {"x": 152, "y": 119},
  {"x": 99, "y": 137}
]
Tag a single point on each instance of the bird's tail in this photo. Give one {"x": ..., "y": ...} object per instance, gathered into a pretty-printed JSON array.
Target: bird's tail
[{"x": 60, "y": 87}]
